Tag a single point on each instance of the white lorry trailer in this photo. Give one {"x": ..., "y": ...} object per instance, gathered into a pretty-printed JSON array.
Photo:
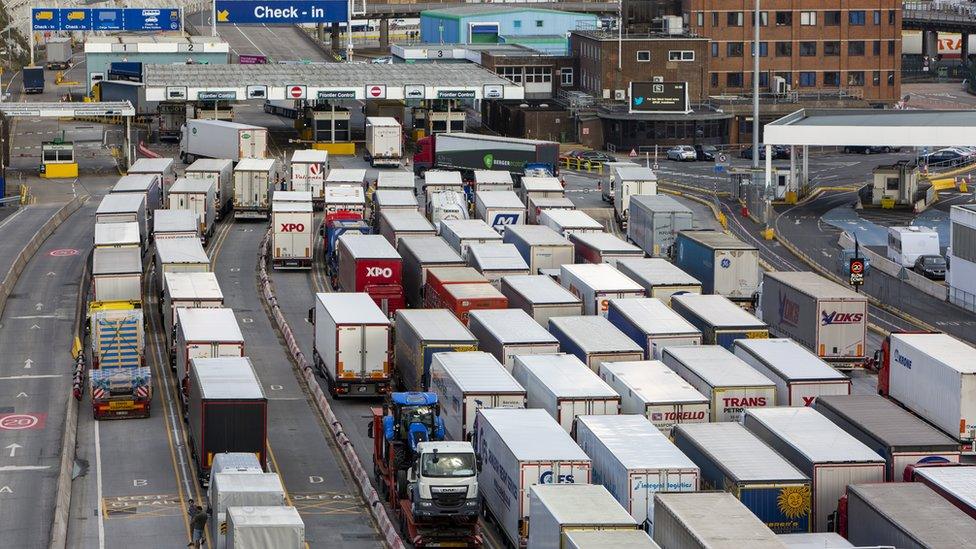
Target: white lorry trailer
[
  {"x": 629, "y": 181},
  {"x": 221, "y": 139},
  {"x": 564, "y": 387},
  {"x": 506, "y": 333},
  {"x": 352, "y": 344},
  {"x": 557, "y": 510},
  {"x": 384, "y": 142},
  {"x": 653, "y": 390},
  {"x": 220, "y": 171},
  {"x": 292, "y": 233},
  {"x": 659, "y": 277},
  {"x": 197, "y": 196},
  {"x": 308, "y": 171},
  {"x": 541, "y": 247},
  {"x": 466, "y": 382},
  {"x": 800, "y": 376},
  {"x": 188, "y": 291},
  {"x": 540, "y": 296},
  {"x": 499, "y": 209},
  {"x": 183, "y": 255},
  {"x": 254, "y": 179},
  {"x": 204, "y": 333},
  {"x": 461, "y": 233},
  {"x": 597, "y": 284}
]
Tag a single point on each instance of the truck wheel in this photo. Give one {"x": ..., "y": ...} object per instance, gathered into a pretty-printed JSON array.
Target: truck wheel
[{"x": 401, "y": 484}]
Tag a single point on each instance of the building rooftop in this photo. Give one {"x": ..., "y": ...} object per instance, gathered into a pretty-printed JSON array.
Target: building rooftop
[
  {"x": 456, "y": 12},
  {"x": 611, "y": 35}
]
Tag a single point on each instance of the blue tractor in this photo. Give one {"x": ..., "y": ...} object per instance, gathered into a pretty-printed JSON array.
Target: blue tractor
[{"x": 405, "y": 420}]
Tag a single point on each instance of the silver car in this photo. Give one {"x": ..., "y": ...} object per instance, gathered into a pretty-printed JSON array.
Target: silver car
[{"x": 682, "y": 153}]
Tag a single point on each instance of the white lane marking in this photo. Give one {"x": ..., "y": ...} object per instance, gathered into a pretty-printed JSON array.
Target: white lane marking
[
  {"x": 14, "y": 468},
  {"x": 31, "y": 376},
  {"x": 98, "y": 484},
  {"x": 15, "y": 214},
  {"x": 248, "y": 38}
]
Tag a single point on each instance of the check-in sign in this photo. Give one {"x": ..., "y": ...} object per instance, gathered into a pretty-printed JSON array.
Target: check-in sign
[{"x": 281, "y": 12}]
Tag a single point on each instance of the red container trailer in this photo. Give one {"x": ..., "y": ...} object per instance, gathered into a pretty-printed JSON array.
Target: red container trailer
[
  {"x": 461, "y": 299},
  {"x": 439, "y": 277},
  {"x": 369, "y": 264}
]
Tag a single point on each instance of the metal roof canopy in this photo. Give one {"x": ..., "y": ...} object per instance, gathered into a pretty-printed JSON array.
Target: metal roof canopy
[
  {"x": 325, "y": 81},
  {"x": 62, "y": 110},
  {"x": 873, "y": 127}
]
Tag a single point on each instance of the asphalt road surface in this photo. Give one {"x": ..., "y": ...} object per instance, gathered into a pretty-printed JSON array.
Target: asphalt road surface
[{"x": 276, "y": 42}]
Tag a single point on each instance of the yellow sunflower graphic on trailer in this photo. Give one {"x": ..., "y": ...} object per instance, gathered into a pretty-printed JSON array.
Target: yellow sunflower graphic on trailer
[{"x": 794, "y": 501}]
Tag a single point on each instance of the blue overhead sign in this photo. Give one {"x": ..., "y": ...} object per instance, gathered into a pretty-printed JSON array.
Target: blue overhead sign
[
  {"x": 281, "y": 12},
  {"x": 105, "y": 19}
]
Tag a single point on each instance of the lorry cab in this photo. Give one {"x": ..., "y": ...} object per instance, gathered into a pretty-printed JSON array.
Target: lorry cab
[
  {"x": 443, "y": 482},
  {"x": 882, "y": 361}
]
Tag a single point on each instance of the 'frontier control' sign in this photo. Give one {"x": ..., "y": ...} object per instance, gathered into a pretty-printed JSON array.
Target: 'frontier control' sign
[{"x": 281, "y": 12}]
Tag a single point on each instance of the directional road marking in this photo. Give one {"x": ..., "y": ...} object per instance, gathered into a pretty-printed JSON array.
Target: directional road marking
[
  {"x": 326, "y": 503},
  {"x": 22, "y": 422},
  {"x": 142, "y": 506}
]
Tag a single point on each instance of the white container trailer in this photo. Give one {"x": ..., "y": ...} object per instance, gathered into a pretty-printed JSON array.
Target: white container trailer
[
  {"x": 221, "y": 139},
  {"x": 345, "y": 199},
  {"x": 541, "y": 247},
  {"x": 260, "y": 527},
  {"x": 506, "y": 333},
  {"x": 175, "y": 224},
  {"x": 442, "y": 180},
  {"x": 240, "y": 489},
  {"x": 819, "y": 540},
  {"x": 721, "y": 321},
  {"x": 164, "y": 167},
  {"x": 180, "y": 255},
  {"x": 565, "y": 387},
  {"x": 205, "y": 333},
  {"x": 659, "y": 277},
  {"x": 385, "y": 200},
  {"x": 567, "y": 222},
  {"x": 496, "y": 260},
  {"x": 254, "y": 179},
  {"x": 596, "y": 284},
  {"x": 603, "y": 248},
  {"x": 188, "y": 291},
  {"x": 724, "y": 264},
  {"x": 541, "y": 187},
  {"x": 654, "y": 222},
  {"x": 292, "y": 232},
  {"x": 519, "y": 449},
  {"x": 652, "y": 325},
  {"x": 819, "y": 449},
  {"x": 396, "y": 224},
  {"x": 466, "y": 382},
  {"x": 731, "y": 384},
  {"x": 117, "y": 275},
  {"x": 557, "y": 510},
  {"x": 396, "y": 180},
  {"x": 346, "y": 177},
  {"x": 117, "y": 235},
  {"x": 905, "y": 515},
  {"x": 303, "y": 197},
  {"x": 493, "y": 180},
  {"x": 124, "y": 208},
  {"x": 461, "y": 233},
  {"x": 499, "y": 209},
  {"x": 800, "y": 376},
  {"x": 148, "y": 185},
  {"x": 708, "y": 520},
  {"x": 220, "y": 171},
  {"x": 629, "y": 181},
  {"x": 540, "y": 296},
  {"x": 601, "y": 539},
  {"x": 308, "y": 171},
  {"x": 906, "y": 244},
  {"x": 827, "y": 318},
  {"x": 653, "y": 390},
  {"x": 384, "y": 142},
  {"x": 538, "y": 204},
  {"x": 634, "y": 461},
  {"x": 197, "y": 196},
  {"x": 352, "y": 344},
  {"x": 594, "y": 340}
]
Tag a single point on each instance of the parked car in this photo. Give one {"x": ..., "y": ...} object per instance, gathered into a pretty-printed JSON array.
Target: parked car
[
  {"x": 596, "y": 156},
  {"x": 858, "y": 149},
  {"x": 682, "y": 153},
  {"x": 945, "y": 157},
  {"x": 779, "y": 152},
  {"x": 706, "y": 152},
  {"x": 932, "y": 267}
]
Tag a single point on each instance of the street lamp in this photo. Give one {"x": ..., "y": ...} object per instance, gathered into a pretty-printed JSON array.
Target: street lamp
[{"x": 755, "y": 90}]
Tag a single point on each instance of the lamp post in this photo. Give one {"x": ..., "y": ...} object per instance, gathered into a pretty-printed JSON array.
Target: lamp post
[{"x": 755, "y": 90}]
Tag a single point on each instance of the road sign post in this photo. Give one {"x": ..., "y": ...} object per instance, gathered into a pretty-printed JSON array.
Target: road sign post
[{"x": 857, "y": 272}]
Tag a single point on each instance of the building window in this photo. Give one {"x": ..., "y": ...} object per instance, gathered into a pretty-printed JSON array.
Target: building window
[
  {"x": 700, "y": 19},
  {"x": 831, "y": 18},
  {"x": 681, "y": 55},
  {"x": 784, "y": 19},
  {"x": 512, "y": 73},
  {"x": 876, "y": 47},
  {"x": 808, "y": 18},
  {"x": 784, "y": 49},
  {"x": 763, "y": 49},
  {"x": 855, "y": 78},
  {"x": 855, "y": 48},
  {"x": 808, "y": 79},
  {"x": 876, "y": 17},
  {"x": 876, "y": 78},
  {"x": 715, "y": 19},
  {"x": 566, "y": 76},
  {"x": 733, "y": 49},
  {"x": 831, "y": 79},
  {"x": 764, "y": 80},
  {"x": 891, "y": 47},
  {"x": 891, "y": 78},
  {"x": 538, "y": 75},
  {"x": 763, "y": 18},
  {"x": 643, "y": 56},
  {"x": 891, "y": 17},
  {"x": 733, "y": 79},
  {"x": 733, "y": 18},
  {"x": 831, "y": 49},
  {"x": 715, "y": 49},
  {"x": 517, "y": 24},
  {"x": 808, "y": 49},
  {"x": 714, "y": 79},
  {"x": 539, "y": 23},
  {"x": 855, "y": 17}
]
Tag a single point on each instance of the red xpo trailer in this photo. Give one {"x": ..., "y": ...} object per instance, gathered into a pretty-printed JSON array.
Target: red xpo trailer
[{"x": 369, "y": 264}]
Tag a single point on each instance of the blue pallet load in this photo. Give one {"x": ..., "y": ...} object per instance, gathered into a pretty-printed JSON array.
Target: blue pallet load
[{"x": 120, "y": 383}]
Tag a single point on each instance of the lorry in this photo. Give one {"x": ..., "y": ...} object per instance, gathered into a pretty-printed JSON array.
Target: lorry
[
  {"x": 385, "y": 200},
  {"x": 934, "y": 376},
  {"x": 251, "y": 527},
  {"x": 603, "y": 248},
  {"x": 467, "y": 382},
  {"x": 651, "y": 389},
  {"x": 909, "y": 515},
  {"x": 125, "y": 208},
  {"x": 599, "y": 539},
  {"x": 506, "y": 333},
  {"x": 593, "y": 339},
  {"x": 499, "y": 209},
  {"x": 179, "y": 255},
  {"x": 332, "y": 228},
  {"x": 798, "y": 434},
  {"x": 119, "y": 380},
  {"x": 720, "y": 321},
  {"x": 462, "y": 299},
  {"x": 492, "y": 180},
  {"x": 401, "y": 181},
  {"x": 558, "y": 509},
  {"x": 163, "y": 167},
  {"x": 953, "y": 483},
  {"x": 308, "y": 171},
  {"x": 197, "y": 196},
  {"x": 596, "y": 285},
  {"x": 243, "y": 487},
  {"x": 445, "y": 206},
  {"x": 188, "y": 291},
  {"x": 396, "y": 224},
  {"x": 204, "y": 333},
  {"x": 220, "y": 171},
  {"x": 496, "y": 260},
  {"x": 175, "y": 224},
  {"x": 659, "y": 277},
  {"x": 634, "y": 460},
  {"x": 171, "y": 117},
  {"x": 291, "y": 224},
  {"x": 896, "y": 434},
  {"x": 419, "y": 254},
  {"x": 519, "y": 449},
  {"x": 33, "y": 79},
  {"x": 442, "y": 180},
  {"x": 352, "y": 344},
  {"x": 346, "y": 177},
  {"x": 369, "y": 264},
  {"x": 654, "y": 222},
  {"x": 254, "y": 179},
  {"x": 541, "y": 247},
  {"x": 118, "y": 235},
  {"x": 344, "y": 200},
  {"x": 652, "y": 325},
  {"x": 688, "y": 520},
  {"x": 58, "y": 53},
  {"x": 724, "y": 264},
  {"x": 540, "y": 296},
  {"x": 628, "y": 181},
  {"x": 538, "y": 204},
  {"x": 384, "y": 142},
  {"x": 731, "y": 385},
  {"x": 733, "y": 459},
  {"x": 469, "y": 152},
  {"x": 541, "y": 187},
  {"x": 800, "y": 376},
  {"x": 567, "y": 222},
  {"x": 825, "y": 317},
  {"x": 221, "y": 139},
  {"x": 565, "y": 387},
  {"x": 148, "y": 185},
  {"x": 461, "y": 233},
  {"x": 116, "y": 277},
  {"x": 226, "y": 410},
  {"x": 420, "y": 333}
]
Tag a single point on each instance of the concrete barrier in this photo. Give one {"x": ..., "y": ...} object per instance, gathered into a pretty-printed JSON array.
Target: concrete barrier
[{"x": 889, "y": 267}]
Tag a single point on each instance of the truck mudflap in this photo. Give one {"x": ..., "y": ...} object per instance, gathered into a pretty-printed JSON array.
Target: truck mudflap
[{"x": 449, "y": 534}]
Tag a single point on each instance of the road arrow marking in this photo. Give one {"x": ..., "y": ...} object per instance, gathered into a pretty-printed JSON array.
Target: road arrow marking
[
  {"x": 35, "y": 327},
  {"x": 51, "y": 273},
  {"x": 28, "y": 363},
  {"x": 13, "y": 449},
  {"x": 38, "y": 307},
  {"x": 22, "y": 394}
]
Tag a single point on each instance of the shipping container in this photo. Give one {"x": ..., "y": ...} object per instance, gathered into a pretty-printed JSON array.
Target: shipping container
[
  {"x": 731, "y": 384},
  {"x": 461, "y": 233},
  {"x": 800, "y": 376},
  {"x": 346, "y": 177},
  {"x": 897, "y": 435},
  {"x": 308, "y": 169},
  {"x": 720, "y": 320},
  {"x": 466, "y": 382},
  {"x": 188, "y": 291},
  {"x": 368, "y": 263},
  {"x": 227, "y": 410},
  {"x": 558, "y": 509},
  {"x": 629, "y": 181},
  {"x": 254, "y": 179},
  {"x": 830, "y": 457},
  {"x": 493, "y": 180},
  {"x": 597, "y": 284},
  {"x": 601, "y": 539},
  {"x": 164, "y": 167},
  {"x": 148, "y": 185},
  {"x": 655, "y": 221},
  {"x": 659, "y": 277},
  {"x": 179, "y": 255},
  {"x": 292, "y": 234},
  {"x": 197, "y": 196},
  {"x": 506, "y": 333},
  {"x": 496, "y": 260},
  {"x": 116, "y": 276},
  {"x": 541, "y": 297},
  {"x": 567, "y": 222},
  {"x": 352, "y": 344},
  {"x": 541, "y": 247},
  {"x": 538, "y": 204},
  {"x": 222, "y": 139},
  {"x": 499, "y": 209},
  {"x": 385, "y": 200},
  {"x": 565, "y": 387},
  {"x": 175, "y": 224},
  {"x": 396, "y": 224},
  {"x": 342, "y": 200},
  {"x": 259, "y": 527},
  {"x": 541, "y": 187},
  {"x": 603, "y": 248},
  {"x": 420, "y": 254},
  {"x": 519, "y": 449},
  {"x": 652, "y": 325},
  {"x": 204, "y": 333},
  {"x": 956, "y": 484},
  {"x": 651, "y": 389},
  {"x": 396, "y": 180},
  {"x": 219, "y": 171},
  {"x": 708, "y": 520},
  {"x": 419, "y": 334},
  {"x": 441, "y": 180},
  {"x": 461, "y": 299},
  {"x": 594, "y": 340},
  {"x": 907, "y": 516},
  {"x": 734, "y": 460},
  {"x": 384, "y": 142},
  {"x": 724, "y": 264},
  {"x": 634, "y": 461},
  {"x": 231, "y": 488},
  {"x": 125, "y": 208},
  {"x": 118, "y": 235}
]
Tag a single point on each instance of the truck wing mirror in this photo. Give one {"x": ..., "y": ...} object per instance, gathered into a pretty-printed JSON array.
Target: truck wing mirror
[
  {"x": 369, "y": 429},
  {"x": 477, "y": 462},
  {"x": 311, "y": 316}
]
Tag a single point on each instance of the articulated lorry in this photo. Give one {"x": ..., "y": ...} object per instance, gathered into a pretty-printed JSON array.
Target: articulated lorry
[
  {"x": 121, "y": 384},
  {"x": 220, "y": 139},
  {"x": 469, "y": 152}
]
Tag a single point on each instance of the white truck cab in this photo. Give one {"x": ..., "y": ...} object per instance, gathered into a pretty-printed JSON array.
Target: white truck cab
[{"x": 444, "y": 481}]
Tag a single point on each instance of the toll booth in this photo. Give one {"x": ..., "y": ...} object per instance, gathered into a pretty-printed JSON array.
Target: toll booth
[
  {"x": 897, "y": 185},
  {"x": 385, "y": 108},
  {"x": 58, "y": 160},
  {"x": 433, "y": 120},
  {"x": 211, "y": 110}
]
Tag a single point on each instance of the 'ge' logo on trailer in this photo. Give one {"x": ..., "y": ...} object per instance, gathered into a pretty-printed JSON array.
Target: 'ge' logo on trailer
[{"x": 292, "y": 227}]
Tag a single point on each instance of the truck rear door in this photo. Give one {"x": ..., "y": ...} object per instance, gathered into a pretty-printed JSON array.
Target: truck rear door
[
  {"x": 350, "y": 350},
  {"x": 376, "y": 356}
]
